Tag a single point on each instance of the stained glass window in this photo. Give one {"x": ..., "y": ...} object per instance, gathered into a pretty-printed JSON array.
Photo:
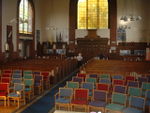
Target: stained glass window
[
  {"x": 25, "y": 17},
  {"x": 92, "y": 14}
]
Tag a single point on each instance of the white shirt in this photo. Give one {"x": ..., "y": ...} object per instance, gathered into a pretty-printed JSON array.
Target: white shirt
[{"x": 79, "y": 58}]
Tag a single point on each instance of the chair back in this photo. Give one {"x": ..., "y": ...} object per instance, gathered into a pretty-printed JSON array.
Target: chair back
[
  {"x": 93, "y": 75},
  {"x": 28, "y": 82},
  {"x": 92, "y": 80},
  {"x": 38, "y": 78},
  {"x": 27, "y": 72},
  {"x": 133, "y": 84},
  {"x": 87, "y": 85},
  {"x": 16, "y": 76},
  {"x": 19, "y": 87},
  {"x": 129, "y": 78},
  {"x": 65, "y": 92},
  {"x": 119, "y": 98},
  {"x": 137, "y": 102},
  {"x": 5, "y": 79},
  {"x": 77, "y": 79},
  {"x": 36, "y": 73},
  {"x": 133, "y": 91},
  {"x": 147, "y": 94},
  {"x": 16, "y": 80},
  {"x": 83, "y": 75},
  {"x": 6, "y": 75},
  {"x": 4, "y": 89},
  {"x": 119, "y": 89},
  {"x": 17, "y": 71},
  {"x": 28, "y": 76},
  {"x": 118, "y": 77},
  {"x": 105, "y": 81},
  {"x": 7, "y": 71},
  {"x": 118, "y": 82},
  {"x": 103, "y": 87},
  {"x": 104, "y": 76},
  {"x": 100, "y": 95},
  {"x": 145, "y": 86},
  {"x": 81, "y": 94},
  {"x": 71, "y": 84}
]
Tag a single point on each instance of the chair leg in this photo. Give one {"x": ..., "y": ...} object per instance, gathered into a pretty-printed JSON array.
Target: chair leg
[
  {"x": 8, "y": 101},
  {"x": 5, "y": 101},
  {"x": 18, "y": 101}
]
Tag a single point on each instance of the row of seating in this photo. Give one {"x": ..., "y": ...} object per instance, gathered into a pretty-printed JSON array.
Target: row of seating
[
  {"x": 21, "y": 85},
  {"x": 110, "y": 84},
  {"x": 78, "y": 99}
]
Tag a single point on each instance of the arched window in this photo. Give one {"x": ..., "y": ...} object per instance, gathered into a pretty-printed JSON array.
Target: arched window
[
  {"x": 25, "y": 17},
  {"x": 92, "y": 14}
]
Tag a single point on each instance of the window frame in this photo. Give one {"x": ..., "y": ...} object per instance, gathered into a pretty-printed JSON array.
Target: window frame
[
  {"x": 33, "y": 20},
  {"x": 97, "y": 16}
]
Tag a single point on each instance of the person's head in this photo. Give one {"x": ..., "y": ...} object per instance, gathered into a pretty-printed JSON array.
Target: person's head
[{"x": 79, "y": 54}]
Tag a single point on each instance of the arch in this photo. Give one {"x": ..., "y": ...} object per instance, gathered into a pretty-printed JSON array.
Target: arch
[
  {"x": 92, "y": 14},
  {"x": 29, "y": 36},
  {"x": 112, "y": 22}
]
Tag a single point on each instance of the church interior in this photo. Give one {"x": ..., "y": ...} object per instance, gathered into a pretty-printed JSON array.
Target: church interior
[{"x": 74, "y": 56}]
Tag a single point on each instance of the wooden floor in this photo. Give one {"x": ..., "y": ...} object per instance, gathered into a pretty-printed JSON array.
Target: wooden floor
[{"x": 7, "y": 109}]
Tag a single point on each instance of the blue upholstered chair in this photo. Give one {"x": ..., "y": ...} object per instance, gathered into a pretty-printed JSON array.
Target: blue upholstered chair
[
  {"x": 77, "y": 79},
  {"x": 136, "y": 105},
  {"x": 118, "y": 77},
  {"x": 18, "y": 94},
  {"x": 118, "y": 103},
  {"x": 63, "y": 98},
  {"x": 145, "y": 86},
  {"x": 93, "y": 75},
  {"x": 133, "y": 84},
  {"x": 90, "y": 79},
  {"x": 89, "y": 86},
  {"x": 105, "y": 81},
  {"x": 147, "y": 96},
  {"x": 71, "y": 84},
  {"x": 119, "y": 89},
  {"x": 98, "y": 102}
]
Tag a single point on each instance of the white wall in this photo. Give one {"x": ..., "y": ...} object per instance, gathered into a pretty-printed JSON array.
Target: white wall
[
  {"x": 55, "y": 19},
  {"x": 139, "y": 30},
  {"x": 81, "y": 33},
  {"x": 9, "y": 10},
  {"x": 52, "y": 18}
]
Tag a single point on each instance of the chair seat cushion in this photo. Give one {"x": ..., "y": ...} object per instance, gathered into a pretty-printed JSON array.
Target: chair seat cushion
[
  {"x": 62, "y": 100},
  {"x": 116, "y": 107},
  {"x": 132, "y": 110},
  {"x": 79, "y": 102},
  {"x": 97, "y": 103},
  {"x": 27, "y": 89},
  {"x": 13, "y": 94}
]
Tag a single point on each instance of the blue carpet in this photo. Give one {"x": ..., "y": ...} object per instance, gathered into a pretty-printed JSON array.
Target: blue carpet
[{"x": 46, "y": 103}]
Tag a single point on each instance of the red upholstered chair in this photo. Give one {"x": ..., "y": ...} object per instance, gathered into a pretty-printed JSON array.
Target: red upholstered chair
[
  {"x": 103, "y": 87},
  {"x": 81, "y": 75},
  {"x": 6, "y": 80},
  {"x": 6, "y": 75},
  {"x": 118, "y": 82},
  {"x": 7, "y": 71},
  {"x": 46, "y": 79},
  {"x": 4, "y": 89},
  {"x": 80, "y": 99},
  {"x": 129, "y": 78}
]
